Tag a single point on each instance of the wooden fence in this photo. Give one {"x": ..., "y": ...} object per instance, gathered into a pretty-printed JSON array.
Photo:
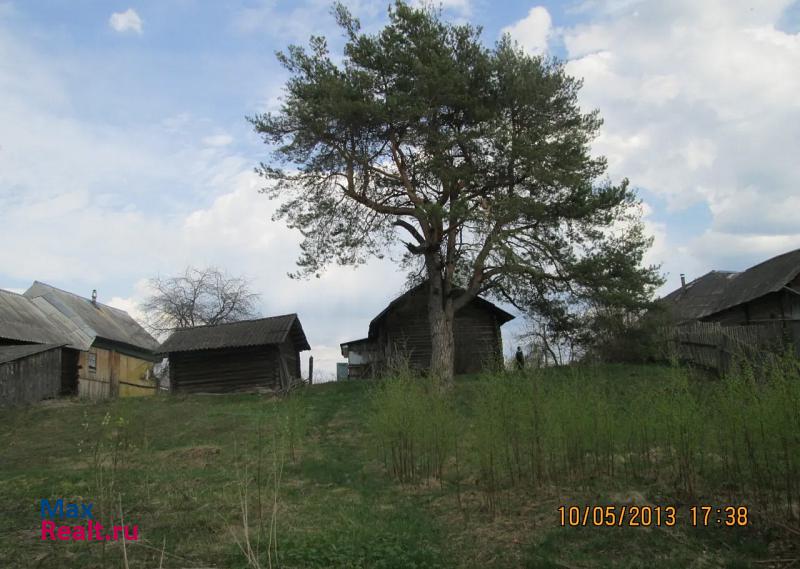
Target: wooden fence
[{"x": 716, "y": 347}]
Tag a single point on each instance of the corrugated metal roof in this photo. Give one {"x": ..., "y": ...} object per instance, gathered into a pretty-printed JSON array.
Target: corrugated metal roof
[
  {"x": 260, "y": 332},
  {"x": 719, "y": 290},
  {"x": 502, "y": 315},
  {"x": 11, "y": 353},
  {"x": 23, "y": 319},
  {"x": 96, "y": 320}
]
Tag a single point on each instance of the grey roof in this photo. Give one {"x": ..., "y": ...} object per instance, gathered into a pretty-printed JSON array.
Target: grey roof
[
  {"x": 770, "y": 276},
  {"x": 95, "y": 320},
  {"x": 502, "y": 315},
  {"x": 260, "y": 332},
  {"x": 11, "y": 353},
  {"x": 719, "y": 290},
  {"x": 700, "y": 297},
  {"x": 353, "y": 343},
  {"x": 27, "y": 320}
]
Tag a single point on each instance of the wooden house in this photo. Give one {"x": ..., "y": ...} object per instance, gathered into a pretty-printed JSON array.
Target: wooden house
[
  {"x": 766, "y": 293},
  {"x": 24, "y": 322},
  {"x": 120, "y": 356},
  {"x": 401, "y": 331},
  {"x": 103, "y": 352},
  {"x": 251, "y": 355}
]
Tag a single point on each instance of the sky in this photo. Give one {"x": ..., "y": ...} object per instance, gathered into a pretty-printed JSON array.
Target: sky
[{"x": 125, "y": 152}]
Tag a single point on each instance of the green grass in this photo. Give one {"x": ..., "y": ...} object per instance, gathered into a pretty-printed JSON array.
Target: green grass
[{"x": 178, "y": 466}]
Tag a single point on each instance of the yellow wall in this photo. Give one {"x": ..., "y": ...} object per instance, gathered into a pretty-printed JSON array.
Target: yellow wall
[
  {"x": 115, "y": 374},
  {"x": 133, "y": 375}
]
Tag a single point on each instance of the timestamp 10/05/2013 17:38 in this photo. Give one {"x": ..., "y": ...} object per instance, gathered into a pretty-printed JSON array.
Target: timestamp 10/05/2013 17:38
[{"x": 649, "y": 516}]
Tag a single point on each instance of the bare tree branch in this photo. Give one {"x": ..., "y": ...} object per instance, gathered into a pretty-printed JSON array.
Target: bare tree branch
[{"x": 198, "y": 297}]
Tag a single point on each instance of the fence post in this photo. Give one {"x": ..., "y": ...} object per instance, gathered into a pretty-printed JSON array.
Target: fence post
[{"x": 310, "y": 369}]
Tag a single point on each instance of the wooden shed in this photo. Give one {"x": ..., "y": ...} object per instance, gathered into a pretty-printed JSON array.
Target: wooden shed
[
  {"x": 30, "y": 373},
  {"x": 251, "y": 355},
  {"x": 117, "y": 359},
  {"x": 30, "y": 325},
  {"x": 766, "y": 293},
  {"x": 402, "y": 331}
]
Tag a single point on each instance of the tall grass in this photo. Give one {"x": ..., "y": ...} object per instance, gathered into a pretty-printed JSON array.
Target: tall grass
[
  {"x": 415, "y": 427},
  {"x": 280, "y": 433},
  {"x": 736, "y": 439}
]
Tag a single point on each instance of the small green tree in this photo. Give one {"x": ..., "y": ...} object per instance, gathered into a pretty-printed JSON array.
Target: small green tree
[{"x": 479, "y": 156}]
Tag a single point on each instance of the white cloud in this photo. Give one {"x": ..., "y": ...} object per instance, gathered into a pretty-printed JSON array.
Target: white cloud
[
  {"x": 700, "y": 107},
  {"x": 127, "y": 21},
  {"x": 218, "y": 140},
  {"x": 117, "y": 204},
  {"x": 533, "y": 31},
  {"x": 99, "y": 247}
]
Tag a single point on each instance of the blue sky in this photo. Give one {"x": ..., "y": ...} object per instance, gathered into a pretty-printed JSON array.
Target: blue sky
[{"x": 124, "y": 152}]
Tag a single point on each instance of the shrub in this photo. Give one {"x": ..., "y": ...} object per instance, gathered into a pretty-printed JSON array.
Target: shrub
[{"x": 415, "y": 427}]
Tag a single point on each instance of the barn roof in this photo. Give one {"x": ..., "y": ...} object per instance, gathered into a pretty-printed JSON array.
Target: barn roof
[
  {"x": 770, "y": 276},
  {"x": 31, "y": 320},
  {"x": 700, "y": 297},
  {"x": 11, "y": 353},
  {"x": 94, "y": 319},
  {"x": 720, "y": 290},
  {"x": 502, "y": 315},
  {"x": 260, "y": 332}
]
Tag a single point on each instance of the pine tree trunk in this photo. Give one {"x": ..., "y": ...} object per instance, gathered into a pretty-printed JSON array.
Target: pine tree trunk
[{"x": 440, "y": 316}]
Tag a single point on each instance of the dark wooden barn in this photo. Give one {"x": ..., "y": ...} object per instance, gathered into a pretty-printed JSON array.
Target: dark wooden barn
[
  {"x": 250, "y": 355},
  {"x": 30, "y": 373},
  {"x": 766, "y": 293},
  {"x": 402, "y": 331}
]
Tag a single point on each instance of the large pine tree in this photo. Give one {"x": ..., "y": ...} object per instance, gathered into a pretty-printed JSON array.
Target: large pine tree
[{"x": 476, "y": 158}]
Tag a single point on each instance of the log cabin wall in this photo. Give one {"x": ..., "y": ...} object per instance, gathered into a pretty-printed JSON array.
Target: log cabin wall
[
  {"x": 778, "y": 308},
  {"x": 225, "y": 370},
  {"x": 292, "y": 358},
  {"x": 405, "y": 334},
  {"x": 477, "y": 340},
  {"x": 31, "y": 378}
]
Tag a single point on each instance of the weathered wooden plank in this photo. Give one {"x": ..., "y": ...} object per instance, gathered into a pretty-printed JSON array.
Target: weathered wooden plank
[
  {"x": 31, "y": 379},
  {"x": 231, "y": 369}
]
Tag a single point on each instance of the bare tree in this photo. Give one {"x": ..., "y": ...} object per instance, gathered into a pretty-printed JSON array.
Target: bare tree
[{"x": 198, "y": 297}]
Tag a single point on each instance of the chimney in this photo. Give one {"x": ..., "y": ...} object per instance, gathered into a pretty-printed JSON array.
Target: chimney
[
  {"x": 683, "y": 281},
  {"x": 94, "y": 297}
]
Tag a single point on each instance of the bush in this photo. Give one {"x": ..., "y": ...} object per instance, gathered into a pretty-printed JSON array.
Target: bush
[
  {"x": 414, "y": 425},
  {"x": 733, "y": 439}
]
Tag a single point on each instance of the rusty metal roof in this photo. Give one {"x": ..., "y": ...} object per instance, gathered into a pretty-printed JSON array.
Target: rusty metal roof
[
  {"x": 94, "y": 319},
  {"x": 26, "y": 320},
  {"x": 260, "y": 332},
  {"x": 719, "y": 290},
  {"x": 11, "y": 353}
]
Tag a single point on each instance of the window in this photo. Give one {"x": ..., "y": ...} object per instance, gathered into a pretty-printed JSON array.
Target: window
[{"x": 92, "y": 361}]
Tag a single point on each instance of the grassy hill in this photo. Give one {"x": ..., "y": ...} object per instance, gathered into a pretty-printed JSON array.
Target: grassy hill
[{"x": 318, "y": 480}]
